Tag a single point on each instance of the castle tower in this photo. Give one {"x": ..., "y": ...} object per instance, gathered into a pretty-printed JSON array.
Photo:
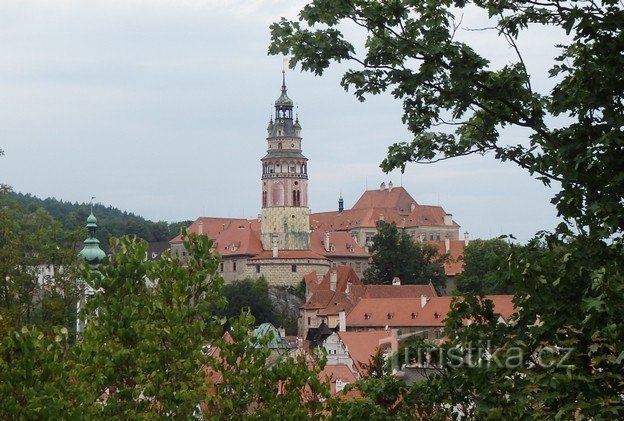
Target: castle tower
[{"x": 285, "y": 222}]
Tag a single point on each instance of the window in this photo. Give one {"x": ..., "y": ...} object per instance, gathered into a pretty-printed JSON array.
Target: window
[
  {"x": 221, "y": 267},
  {"x": 309, "y": 320},
  {"x": 438, "y": 236},
  {"x": 234, "y": 265},
  {"x": 279, "y": 145},
  {"x": 293, "y": 268},
  {"x": 257, "y": 268}
]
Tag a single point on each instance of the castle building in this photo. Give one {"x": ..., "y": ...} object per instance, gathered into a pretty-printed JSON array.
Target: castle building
[{"x": 287, "y": 241}]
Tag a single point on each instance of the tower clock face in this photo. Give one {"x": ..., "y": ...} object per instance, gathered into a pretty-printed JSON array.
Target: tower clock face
[{"x": 292, "y": 145}]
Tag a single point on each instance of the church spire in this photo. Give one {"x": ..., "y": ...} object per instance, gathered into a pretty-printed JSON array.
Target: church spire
[{"x": 91, "y": 251}]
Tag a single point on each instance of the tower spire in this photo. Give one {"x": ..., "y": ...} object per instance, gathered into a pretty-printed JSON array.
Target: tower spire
[{"x": 91, "y": 251}]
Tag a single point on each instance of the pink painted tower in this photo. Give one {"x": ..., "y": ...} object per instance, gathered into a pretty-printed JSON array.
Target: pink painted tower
[{"x": 285, "y": 222}]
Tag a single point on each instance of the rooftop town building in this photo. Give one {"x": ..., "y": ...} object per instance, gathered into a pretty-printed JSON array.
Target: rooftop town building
[{"x": 287, "y": 241}]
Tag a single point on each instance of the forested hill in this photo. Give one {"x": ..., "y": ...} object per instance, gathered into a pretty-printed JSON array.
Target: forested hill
[{"x": 111, "y": 221}]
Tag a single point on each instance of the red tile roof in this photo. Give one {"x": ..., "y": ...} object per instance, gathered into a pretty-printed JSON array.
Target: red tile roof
[
  {"x": 340, "y": 244},
  {"x": 333, "y": 372},
  {"x": 408, "y": 312},
  {"x": 363, "y": 345},
  {"x": 319, "y": 300},
  {"x": 397, "y": 198},
  {"x": 393, "y": 291},
  {"x": 455, "y": 264}
]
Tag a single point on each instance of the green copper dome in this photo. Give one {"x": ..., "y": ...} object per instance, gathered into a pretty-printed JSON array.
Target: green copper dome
[
  {"x": 283, "y": 100},
  {"x": 267, "y": 330},
  {"x": 91, "y": 251}
]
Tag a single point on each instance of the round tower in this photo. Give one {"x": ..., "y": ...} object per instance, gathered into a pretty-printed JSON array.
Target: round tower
[{"x": 285, "y": 222}]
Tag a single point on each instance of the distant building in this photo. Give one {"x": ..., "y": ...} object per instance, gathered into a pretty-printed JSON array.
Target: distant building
[{"x": 287, "y": 241}]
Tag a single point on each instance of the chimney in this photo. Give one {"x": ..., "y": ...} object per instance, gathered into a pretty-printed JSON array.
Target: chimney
[
  {"x": 423, "y": 301},
  {"x": 348, "y": 287},
  {"x": 382, "y": 186},
  {"x": 342, "y": 321},
  {"x": 340, "y": 204},
  {"x": 412, "y": 207},
  {"x": 390, "y": 186},
  {"x": 447, "y": 244},
  {"x": 275, "y": 251},
  {"x": 466, "y": 238},
  {"x": 448, "y": 219},
  {"x": 333, "y": 279},
  {"x": 326, "y": 240},
  {"x": 200, "y": 230},
  {"x": 282, "y": 331},
  {"x": 396, "y": 281}
]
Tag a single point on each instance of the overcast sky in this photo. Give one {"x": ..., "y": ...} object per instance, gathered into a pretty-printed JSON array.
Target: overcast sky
[{"x": 160, "y": 108}]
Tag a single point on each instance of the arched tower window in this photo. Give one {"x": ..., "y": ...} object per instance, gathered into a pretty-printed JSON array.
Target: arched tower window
[
  {"x": 264, "y": 199},
  {"x": 296, "y": 197},
  {"x": 278, "y": 194},
  {"x": 279, "y": 145}
]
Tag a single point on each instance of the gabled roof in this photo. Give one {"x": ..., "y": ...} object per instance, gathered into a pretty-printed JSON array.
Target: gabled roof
[
  {"x": 427, "y": 216},
  {"x": 333, "y": 372},
  {"x": 339, "y": 302},
  {"x": 237, "y": 240},
  {"x": 340, "y": 244},
  {"x": 344, "y": 276},
  {"x": 323, "y": 297},
  {"x": 391, "y": 198},
  {"x": 455, "y": 264},
  {"x": 393, "y": 291},
  {"x": 409, "y": 312},
  {"x": 363, "y": 345},
  {"x": 212, "y": 227},
  {"x": 319, "y": 300}
]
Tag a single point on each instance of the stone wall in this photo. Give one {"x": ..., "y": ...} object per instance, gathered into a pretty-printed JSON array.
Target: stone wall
[{"x": 280, "y": 272}]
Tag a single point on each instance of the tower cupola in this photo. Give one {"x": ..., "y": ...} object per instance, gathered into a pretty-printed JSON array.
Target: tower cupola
[{"x": 91, "y": 252}]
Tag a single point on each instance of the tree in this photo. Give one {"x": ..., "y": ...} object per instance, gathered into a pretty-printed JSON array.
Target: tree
[
  {"x": 394, "y": 253},
  {"x": 568, "y": 334},
  {"x": 482, "y": 260},
  {"x": 252, "y": 294},
  {"x": 38, "y": 268},
  {"x": 413, "y": 51},
  {"x": 146, "y": 329}
]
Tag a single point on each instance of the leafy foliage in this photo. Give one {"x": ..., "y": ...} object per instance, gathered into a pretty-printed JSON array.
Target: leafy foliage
[
  {"x": 483, "y": 259},
  {"x": 564, "y": 347},
  {"x": 146, "y": 328},
  {"x": 32, "y": 245},
  {"x": 252, "y": 294},
  {"x": 112, "y": 222},
  {"x": 395, "y": 253},
  {"x": 412, "y": 50}
]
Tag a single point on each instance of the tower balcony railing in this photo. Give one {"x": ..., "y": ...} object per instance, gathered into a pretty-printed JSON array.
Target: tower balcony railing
[{"x": 284, "y": 174}]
